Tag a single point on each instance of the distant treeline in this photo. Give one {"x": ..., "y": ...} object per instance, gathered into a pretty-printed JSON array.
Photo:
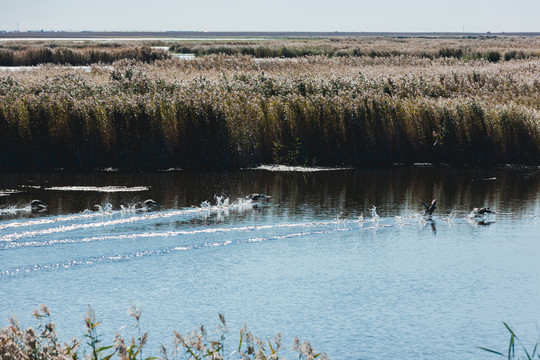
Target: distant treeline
[
  {"x": 143, "y": 117},
  {"x": 35, "y": 55}
]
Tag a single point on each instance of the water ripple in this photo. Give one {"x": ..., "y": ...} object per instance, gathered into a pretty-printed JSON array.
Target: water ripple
[{"x": 147, "y": 253}]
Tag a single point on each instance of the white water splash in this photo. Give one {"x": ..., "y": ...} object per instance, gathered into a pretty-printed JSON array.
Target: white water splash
[
  {"x": 107, "y": 208},
  {"x": 13, "y": 210},
  {"x": 129, "y": 209},
  {"x": 408, "y": 219},
  {"x": 374, "y": 215},
  {"x": 451, "y": 216},
  {"x": 223, "y": 206}
]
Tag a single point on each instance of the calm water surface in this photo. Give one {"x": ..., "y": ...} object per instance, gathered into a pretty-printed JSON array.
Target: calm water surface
[{"x": 344, "y": 259}]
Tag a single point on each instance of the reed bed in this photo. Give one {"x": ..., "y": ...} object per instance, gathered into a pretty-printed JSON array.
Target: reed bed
[
  {"x": 222, "y": 111},
  {"x": 19, "y": 55},
  {"x": 468, "y": 48}
]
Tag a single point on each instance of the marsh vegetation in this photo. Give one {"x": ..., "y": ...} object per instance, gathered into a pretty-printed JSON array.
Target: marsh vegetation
[
  {"x": 43, "y": 343},
  {"x": 21, "y": 53},
  {"x": 369, "y": 102},
  {"x": 468, "y": 48}
]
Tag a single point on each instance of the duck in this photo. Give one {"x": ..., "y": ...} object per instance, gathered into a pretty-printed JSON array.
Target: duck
[
  {"x": 257, "y": 196},
  {"x": 431, "y": 208},
  {"x": 151, "y": 205},
  {"x": 37, "y": 206},
  {"x": 482, "y": 210},
  {"x": 476, "y": 212}
]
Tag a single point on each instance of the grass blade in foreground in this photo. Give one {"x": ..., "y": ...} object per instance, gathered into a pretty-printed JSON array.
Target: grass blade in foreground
[{"x": 511, "y": 355}]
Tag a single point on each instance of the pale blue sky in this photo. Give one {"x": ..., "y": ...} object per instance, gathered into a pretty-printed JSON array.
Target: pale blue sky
[{"x": 277, "y": 15}]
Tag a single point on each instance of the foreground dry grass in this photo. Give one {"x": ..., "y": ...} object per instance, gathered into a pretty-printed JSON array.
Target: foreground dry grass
[
  {"x": 225, "y": 111},
  {"x": 42, "y": 343}
]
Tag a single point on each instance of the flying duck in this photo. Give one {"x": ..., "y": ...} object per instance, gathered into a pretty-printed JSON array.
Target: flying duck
[
  {"x": 256, "y": 197},
  {"x": 37, "y": 206},
  {"x": 481, "y": 211},
  {"x": 430, "y": 209},
  {"x": 151, "y": 205}
]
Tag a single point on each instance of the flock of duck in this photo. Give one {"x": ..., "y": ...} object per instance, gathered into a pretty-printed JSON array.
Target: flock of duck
[
  {"x": 476, "y": 212},
  {"x": 38, "y": 206}
]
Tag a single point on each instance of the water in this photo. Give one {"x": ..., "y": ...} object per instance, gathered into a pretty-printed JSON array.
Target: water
[{"x": 343, "y": 258}]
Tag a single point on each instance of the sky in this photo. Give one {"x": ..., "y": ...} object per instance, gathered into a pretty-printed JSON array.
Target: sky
[{"x": 277, "y": 15}]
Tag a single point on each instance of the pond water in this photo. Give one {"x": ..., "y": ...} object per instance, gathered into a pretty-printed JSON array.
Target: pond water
[{"x": 342, "y": 258}]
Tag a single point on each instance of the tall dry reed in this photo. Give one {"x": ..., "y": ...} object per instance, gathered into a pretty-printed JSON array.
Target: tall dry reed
[
  {"x": 42, "y": 343},
  {"x": 65, "y": 55},
  {"x": 233, "y": 111},
  {"x": 467, "y": 48}
]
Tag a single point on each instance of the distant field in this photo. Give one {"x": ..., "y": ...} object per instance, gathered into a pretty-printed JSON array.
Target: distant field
[{"x": 360, "y": 101}]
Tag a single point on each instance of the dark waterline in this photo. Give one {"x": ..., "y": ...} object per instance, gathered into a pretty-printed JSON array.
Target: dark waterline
[{"x": 312, "y": 262}]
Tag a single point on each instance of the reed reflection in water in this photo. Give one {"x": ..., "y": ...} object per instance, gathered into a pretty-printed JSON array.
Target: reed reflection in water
[{"x": 348, "y": 192}]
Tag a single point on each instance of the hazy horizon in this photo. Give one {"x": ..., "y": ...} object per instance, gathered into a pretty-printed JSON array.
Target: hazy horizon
[{"x": 283, "y": 16}]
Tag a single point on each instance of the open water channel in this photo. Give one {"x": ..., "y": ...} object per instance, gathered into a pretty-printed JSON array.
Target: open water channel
[{"x": 343, "y": 258}]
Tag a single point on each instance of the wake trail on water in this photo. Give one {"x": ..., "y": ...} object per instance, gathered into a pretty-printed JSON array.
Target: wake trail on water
[
  {"x": 147, "y": 253},
  {"x": 168, "y": 234},
  {"x": 103, "y": 211},
  {"x": 128, "y": 215},
  {"x": 190, "y": 239},
  {"x": 93, "y": 225}
]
